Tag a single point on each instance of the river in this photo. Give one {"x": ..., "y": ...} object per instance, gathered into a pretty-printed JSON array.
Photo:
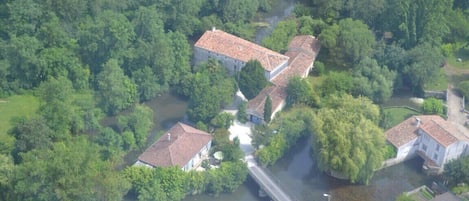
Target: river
[{"x": 298, "y": 174}]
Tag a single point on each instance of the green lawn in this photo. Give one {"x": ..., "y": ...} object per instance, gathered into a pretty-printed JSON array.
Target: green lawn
[
  {"x": 440, "y": 84},
  {"x": 399, "y": 114},
  {"x": 16, "y": 106},
  {"x": 463, "y": 53}
]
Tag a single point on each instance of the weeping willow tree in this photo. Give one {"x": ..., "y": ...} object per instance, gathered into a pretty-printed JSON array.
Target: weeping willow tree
[{"x": 347, "y": 139}]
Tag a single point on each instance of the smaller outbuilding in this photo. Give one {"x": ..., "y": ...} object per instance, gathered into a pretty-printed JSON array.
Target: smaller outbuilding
[{"x": 182, "y": 145}]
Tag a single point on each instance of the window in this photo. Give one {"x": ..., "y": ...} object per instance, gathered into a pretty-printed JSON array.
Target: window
[
  {"x": 437, "y": 147},
  {"x": 435, "y": 157},
  {"x": 424, "y": 147}
]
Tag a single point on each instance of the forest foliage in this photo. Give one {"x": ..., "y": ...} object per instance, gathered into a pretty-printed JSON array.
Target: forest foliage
[
  {"x": 92, "y": 60},
  {"x": 86, "y": 60}
]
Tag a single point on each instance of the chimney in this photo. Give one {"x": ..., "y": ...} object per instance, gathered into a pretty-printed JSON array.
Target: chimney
[
  {"x": 213, "y": 28},
  {"x": 169, "y": 136},
  {"x": 417, "y": 122}
]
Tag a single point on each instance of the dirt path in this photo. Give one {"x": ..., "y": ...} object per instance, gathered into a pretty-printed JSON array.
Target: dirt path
[{"x": 454, "y": 102}]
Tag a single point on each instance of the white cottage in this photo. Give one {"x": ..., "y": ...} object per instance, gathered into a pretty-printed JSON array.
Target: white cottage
[
  {"x": 183, "y": 146},
  {"x": 431, "y": 137}
]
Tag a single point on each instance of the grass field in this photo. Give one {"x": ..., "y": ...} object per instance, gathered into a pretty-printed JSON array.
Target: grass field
[
  {"x": 463, "y": 54},
  {"x": 440, "y": 84},
  {"x": 16, "y": 106},
  {"x": 399, "y": 114}
]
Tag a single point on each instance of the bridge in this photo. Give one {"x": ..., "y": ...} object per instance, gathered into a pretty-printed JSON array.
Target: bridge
[{"x": 266, "y": 183}]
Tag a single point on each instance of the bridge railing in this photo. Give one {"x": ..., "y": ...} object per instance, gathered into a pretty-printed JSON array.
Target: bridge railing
[{"x": 280, "y": 184}]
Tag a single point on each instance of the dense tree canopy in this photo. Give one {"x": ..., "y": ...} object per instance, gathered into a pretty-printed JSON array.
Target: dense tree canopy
[
  {"x": 463, "y": 87},
  {"x": 115, "y": 90},
  {"x": 48, "y": 174},
  {"x": 209, "y": 89},
  {"x": 348, "y": 41},
  {"x": 252, "y": 79},
  {"x": 347, "y": 139},
  {"x": 337, "y": 82},
  {"x": 423, "y": 66},
  {"x": 416, "y": 22},
  {"x": 282, "y": 133},
  {"x": 139, "y": 121},
  {"x": 457, "y": 171},
  {"x": 76, "y": 55},
  {"x": 300, "y": 91},
  {"x": 373, "y": 81},
  {"x": 281, "y": 36}
]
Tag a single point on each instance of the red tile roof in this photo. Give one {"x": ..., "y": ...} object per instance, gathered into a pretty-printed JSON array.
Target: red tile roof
[
  {"x": 277, "y": 95},
  {"x": 237, "y": 48},
  {"x": 404, "y": 132},
  {"x": 444, "y": 132},
  {"x": 184, "y": 143},
  {"x": 302, "y": 52}
]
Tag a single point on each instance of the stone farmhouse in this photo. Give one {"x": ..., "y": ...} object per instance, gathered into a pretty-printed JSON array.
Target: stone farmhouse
[
  {"x": 182, "y": 145},
  {"x": 431, "y": 137},
  {"x": 234, "y": 52}
]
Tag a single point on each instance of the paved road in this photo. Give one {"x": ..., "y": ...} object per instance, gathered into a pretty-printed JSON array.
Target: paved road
[
  {"x": 454, "y": 107},
  {"x": 243, "y": 132},
  {"x": 264, "y": 180}
]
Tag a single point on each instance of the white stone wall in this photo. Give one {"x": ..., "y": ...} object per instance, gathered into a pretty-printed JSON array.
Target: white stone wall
[
  {"x": 455, "y": 151},
  {"x": 432, "y": 148},
  {"x": 408, "y": 150},
  {"x": 278, "y": 109},
  {"x": 232, "y": 65},
  {"x": 269, "y": 75}
]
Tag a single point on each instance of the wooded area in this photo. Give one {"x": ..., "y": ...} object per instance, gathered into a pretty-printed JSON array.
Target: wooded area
[{"x": 86, "y": 60}]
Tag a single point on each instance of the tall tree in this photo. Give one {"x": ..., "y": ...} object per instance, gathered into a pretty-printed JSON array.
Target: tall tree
[
  {"x": 337, "y": 82},
  {"x": 347, "y": 139},
  {"x": 210, "y": 89},
  {"x": 252, "y": 79},
  {"x": 423, "y": 66},
  {"x": 71, "y": 170},
  {"x": 166, "y": 184},
  {"x": 267, "y": 109},
  {"x": 140, "y": 122},
  {"x": 281, "y": 36},
  {"x": 239, "y": 11},
  {"x": 300, "y": 91},
  {"x": 349, "y": 41},
  {"x": 57, "y": 108},
  {"x": 416, "y": 22},
  {"x": 373, "y": 81},
  {"x": 21, "y": 54},
  {"x": 108, "y": 35},
  {"x": 180, "y": 15},
  {"x": 365, "y": 10},
  {"x": 31, "y": 134},
  {"x": 115, "y": 91},
  {"x": 6, "y": 177},
  {"x": 147, "y": 83},
  {"x": 457, "y": 171}
]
